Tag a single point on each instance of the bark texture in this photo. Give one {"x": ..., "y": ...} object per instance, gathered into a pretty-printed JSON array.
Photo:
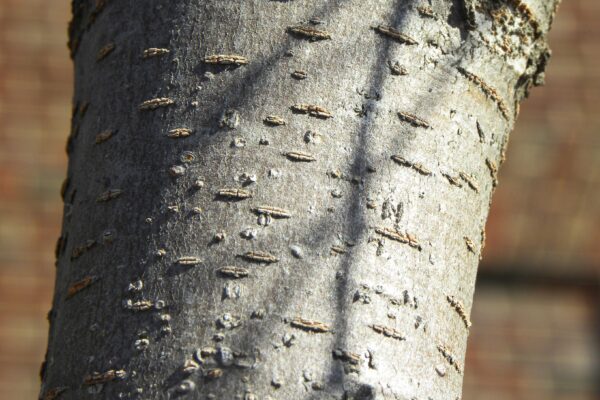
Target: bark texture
[{"x": 281, "y": 199}]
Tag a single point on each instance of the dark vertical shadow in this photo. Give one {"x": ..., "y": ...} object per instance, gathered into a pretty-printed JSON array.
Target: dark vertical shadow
[{"x": 356, "y": 224}]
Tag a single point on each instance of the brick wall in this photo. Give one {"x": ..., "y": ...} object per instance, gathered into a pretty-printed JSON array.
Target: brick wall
[
  {"x": 526, "y": 343},
  {"x": 546, "y": 212},
  {"x": 35, "y": 99},
  {"x": 533, "y": 342},
  {"x": 536, "y": 316}
]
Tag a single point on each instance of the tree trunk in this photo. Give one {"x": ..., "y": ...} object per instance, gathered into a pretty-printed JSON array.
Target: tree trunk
[{"x": 281, "y": 199}]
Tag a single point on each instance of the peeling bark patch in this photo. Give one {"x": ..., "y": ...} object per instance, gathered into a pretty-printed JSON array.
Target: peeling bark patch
[
  {"x": 388, "y": 332},
  {"x": 312, "y": 110},
  {"x": 450, "y": 358},
  {"x": 234, "y": 194},
  {"x": 413, "y": 120},
  {"x": 416, "y": 166},
  {"x": 395, "y": 34},
  {"x": 527, "y": 14},
  {"x": 189, "y": 261},
  {"x": 399, "y": 237},
  {"x": 226, "y": 59},
  {"x": 309, "y": 33},
  {"x": 460, "y": 310},
  {"x": 260, "y": 257},
  {"x": 275, "y": 212},
  {"x": 300, "y": 156},
  {"x": 155, "y": 52},
  {"x": 153, "y": 104},
  {"x": 487, "y": 90},
  {"x": 103, "y": 136},
  {"x": 105, "y": 51},
  {"x": 80, "y": 285},
  {"x": 233, "y": 272},
  {"x": 109, "y": 195},
  {"x": 469, "y": 180},
  {"x": 104, "y": 377},
  {"x": 310, "y": 325}
]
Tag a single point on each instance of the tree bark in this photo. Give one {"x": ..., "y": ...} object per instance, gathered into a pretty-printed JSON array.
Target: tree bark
[{"x": 281, "y": 199}]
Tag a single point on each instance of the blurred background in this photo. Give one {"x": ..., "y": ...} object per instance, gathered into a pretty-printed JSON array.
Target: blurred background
[{"x": 536, "y": 318}]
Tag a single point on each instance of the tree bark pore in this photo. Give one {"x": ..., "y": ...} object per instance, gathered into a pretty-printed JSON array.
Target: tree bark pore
[{"x": 281, "y": 199}]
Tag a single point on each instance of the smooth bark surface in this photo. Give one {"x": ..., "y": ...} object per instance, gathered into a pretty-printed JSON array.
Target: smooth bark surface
[{"x": 300, "y": 217}]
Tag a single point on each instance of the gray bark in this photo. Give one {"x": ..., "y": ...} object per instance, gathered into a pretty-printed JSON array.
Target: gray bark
[{"x": 341, "y": 262}]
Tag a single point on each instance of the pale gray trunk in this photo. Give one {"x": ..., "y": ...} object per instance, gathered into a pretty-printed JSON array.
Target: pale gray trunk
[{"x": 380, "y": 206}]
